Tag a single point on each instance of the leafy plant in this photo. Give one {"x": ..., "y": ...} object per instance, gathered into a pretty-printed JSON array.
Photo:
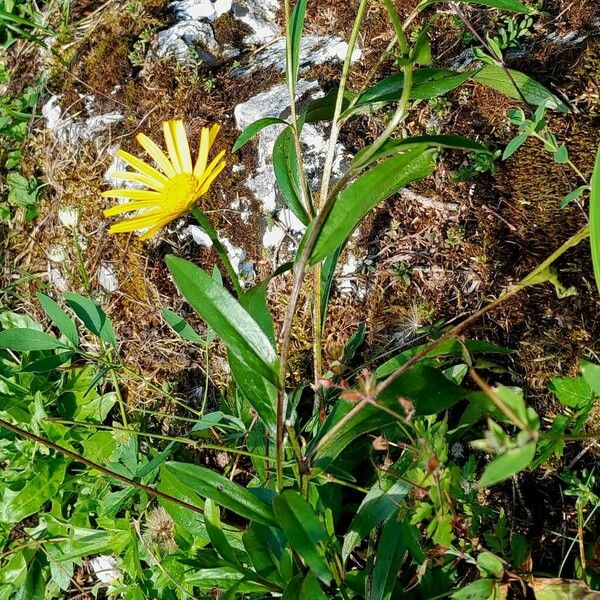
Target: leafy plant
[{"x": 362, "y": 482}]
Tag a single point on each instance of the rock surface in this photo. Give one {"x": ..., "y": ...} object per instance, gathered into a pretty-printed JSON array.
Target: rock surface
[
  {"x": 314, "y": 50},
  {"x": 71, "y": 131}
]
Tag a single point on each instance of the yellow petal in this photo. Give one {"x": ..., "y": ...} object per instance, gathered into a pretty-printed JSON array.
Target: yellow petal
[
  {"x": 132, "y": 194},
  {"x": 182, "y": 146},
  {"x": 141, "y": 166},
  {"x": 207, "y": 183},
  {"x": 214, "y": 131},
  {"x": 202, "y": 153},
  {"x": 171, "y": 147},
  {"x": 129, "y": 206},
  {"x": 141, "y": 222},
  {"x": 158, "y": 156},
  {"x": 158, "y": 226},
  {"x": 138, "y": 178},
  {"x": 208, "y": 171}
]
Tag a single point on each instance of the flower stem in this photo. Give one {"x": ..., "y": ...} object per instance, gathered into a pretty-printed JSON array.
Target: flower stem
[{"x": 214, "y": 238}]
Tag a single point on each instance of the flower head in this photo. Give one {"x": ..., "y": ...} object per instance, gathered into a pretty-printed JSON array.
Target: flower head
[{"x": 173, "y": 187}]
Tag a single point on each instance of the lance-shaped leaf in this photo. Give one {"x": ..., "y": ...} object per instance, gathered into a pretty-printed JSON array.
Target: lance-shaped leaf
[
  {"x": 255, "y": 128},
  {"x": 226, "y": 493},
  {"x": 296, "y": 27},
  {"x": 391, "y": 147},
  {"x": 427, "y": 83},
  {"x": 366, "y": 192},
  {"x": 239, "y": 331},
  {"x": 595, "y": 220},
  {"x": 304, "y": 530},
  {"x": 512, "y": 5},
  {"x": 285, "y": 166},
  {"x": 534, "y": 92}
]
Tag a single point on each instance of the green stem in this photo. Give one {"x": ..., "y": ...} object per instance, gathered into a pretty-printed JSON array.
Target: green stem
[
  {"x": 120, "y": 400},
  {"x": 162, "y": 436},
  {"x": 396, "y": 119},
  {"x": 214, "y": 238},
  {"x": 325, "y": 183}
]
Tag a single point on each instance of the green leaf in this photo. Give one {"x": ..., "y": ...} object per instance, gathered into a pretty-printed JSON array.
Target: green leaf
[
  {"x": 226, "y": 493},
  {"x": 534, "y": 92},
  {"x": 47, "y": 479},
  {"x": 238, "y": 330},
  {"x": 428, "y": 389},
  {"x": 507, "y": 464},
  {"x": 366, "y": 192},
  {"x": 216, "y": 533},
  {"x": 380, "y": 502},
  {"x": 93, "y": 317},
  {"x": 389, "y": 557},
  {"x": 391, "y": 147},
  {"x": 285, "y": 167},
  {"x": 427, "y": 83},
  {"x": 180, "y": 326},
  {"x": 255, "y": 128},
  {"x": 26, "y": 340},
  {"x": 512, "y": 5},
  {"x": 448, "y": 348},
  {"x": 35, "y": 583},
  {"x": 188, "y": 521},
  {"x": 490, "y": 565},
  {"x": 305, "y": 532},
  {"x": 323, "y": 109},
  {"x": 327, "y": 278},
  {"x": 259, "y": 392},
  {"x": 48, "y": 363},
  {"x": 562, "y": 589},
  {"x": 421, "y": 53},
  {"x": 572, "y": 196},
  {"x": 574, "y": 392},
  {"x": 595, "y": 219},
  {"x": 60, "y": 318},
  {"x": 296, "y": 27},
  {"x": 255, "y": 540},
  {"x": 304, "y": 588},
  {"x": 514, "y": 145},
  {"x": 255, "y": 302},
  {"x": 591, "y": 373},
  {"x": 561, "y": 156},
  {"x": 483, "y": 589},
  {"x": 222, "y": 578}
]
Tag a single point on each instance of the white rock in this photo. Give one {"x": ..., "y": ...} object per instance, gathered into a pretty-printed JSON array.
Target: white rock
[
  {"x": 58, "y": 254},
  {"x": 199, "y": 236},
  {"x": 71, "y": 132},
  {"x": 192, "y": 41},
  {"x": 273, "y": 236},
  {"x": 57, "y": 279},
  {"x": 347, "y": 273},
  {"x": 211, "y": 10},
  {"x": 105, "y": 568},
  {"x": 291, "y": 221},
  {"x": 261, "y": 17},
  {"x": 314, "y": 50},
  {"x": 275, "y": 103},
  {"x": 241, "y": 265},
  {"x": 107, "y": 277},
  {"x": 69, "y": 216}
]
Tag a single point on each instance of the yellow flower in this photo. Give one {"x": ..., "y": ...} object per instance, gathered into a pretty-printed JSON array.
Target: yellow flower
[{"x": 173, "y": 189}]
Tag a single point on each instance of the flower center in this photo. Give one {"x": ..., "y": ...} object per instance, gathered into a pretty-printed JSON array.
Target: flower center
[{"x": 181, "y": 192}]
